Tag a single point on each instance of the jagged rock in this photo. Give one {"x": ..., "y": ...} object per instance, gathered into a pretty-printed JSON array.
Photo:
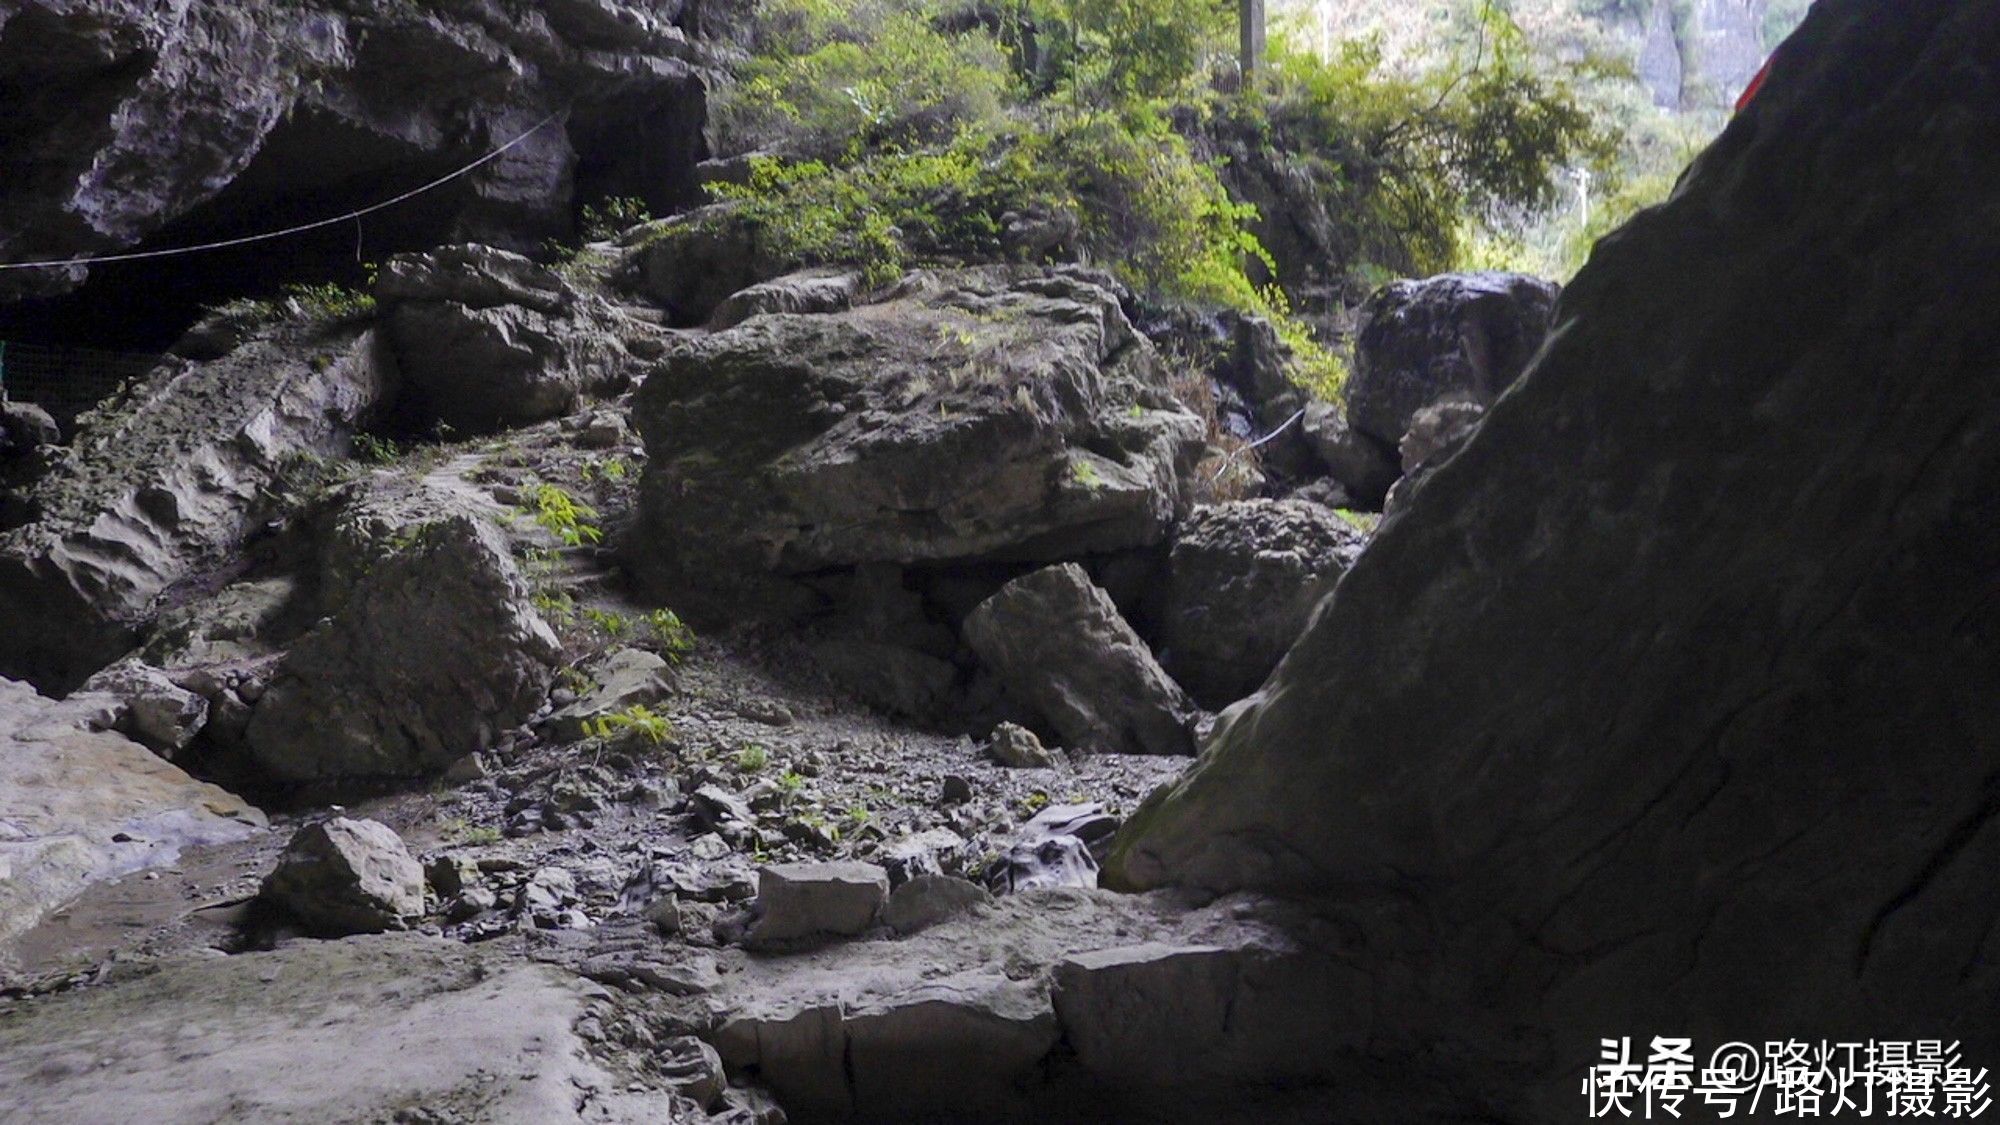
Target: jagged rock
[
  {"x": 1246, "y": 577},
  {"x": 239, "y": 625},
  {"x": 436, "y": 652},
  {"x": 961, "y": 1041},
  {"x": 622, "y": 680},
  {"x": 321, "y": 1032},
  {"x": 1364, "y": 467},
  {"x": 342, "y": 876},
  {"x": 1057, "y": 848},
  {"x": 145, "y": 115},
  {"x": 810, "y": 291},
  {"x": 24, "y": 428},
  {"x": 692, "y": 263},
  {"x": 926, "y": 900},
  {"x": 475, "y": 277},
  {"x": 694, "y": 1068},
  {"x": 168, "y": 478},
  {"x": 934, "y": 851},
  {"x": 1453, "y": 336},
  {"x": 976, "y": 414},
  {"x": 79, "y": 805},
  {"x": 1436, "y": 431},
  {"x": 152, "y": 710},
  {"x": 718, "y": 810},
  {"x": 1060, "y": 646},
  {"x": 1688, "y": 646},
  {"x": 803, "y": 900},
  {"x": 1016, "y": 747}
]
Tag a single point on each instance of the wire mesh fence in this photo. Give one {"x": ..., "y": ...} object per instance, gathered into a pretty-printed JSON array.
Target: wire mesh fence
[{"x": 66, "y": 381}]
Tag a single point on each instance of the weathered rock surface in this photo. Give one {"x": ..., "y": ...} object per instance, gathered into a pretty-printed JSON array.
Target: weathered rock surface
[
  {"x": 151, "y": 708},
  {"x": 623, "y": 680},
  {"x": 1458, "y": 335},
  {"x": 341, "y": 876},
  {"x": 1057, "y": 847},
  {"x": 1245, "y": 579},
  {"x": 926, "y": 900},
  {"x": 802, "y": 900},
  {"x": 435, "y": 651},
  {"x": 1691, "y": 644},
  {"x": 79, "y": 805},
  {"x": 980, "y": 414},
  {"x": 136, "y": 115},
  {"x": 1016, "y": 747},
  {"x": 165, "y": 481},
  {"x": 1059, "y": 644},
  {"x": 318, "y": 1032},
  {"x": 810, "y": 291}
]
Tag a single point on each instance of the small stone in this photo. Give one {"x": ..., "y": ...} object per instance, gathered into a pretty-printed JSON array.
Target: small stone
[
  {"x": 694, "y": 1068},
  {"x": 449, "y": 875},
  {"x": 799, "y": 900},
  {"x": 957, "y": 790},
  {"x": 769, "y": 712},
  {"x": 665, "y": 915},
  {"x": 1016, "y": 747},
  {"x": 470, "y": 904}
]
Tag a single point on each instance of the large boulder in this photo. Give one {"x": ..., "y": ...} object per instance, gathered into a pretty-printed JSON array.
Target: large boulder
[
  {"x": 1453, "y": 336},
  {"x": 998, "y": 413},
  {"x": 436, "y": 649},
  {"x": 166, "y": 480},
  {"x": 1245, "y": 578},
  {"x": 1059, "y": 645},
  {"x": 341, "y": 876},
  {"x": 79, "y": 804},
  {"x": 1665, "y": 703}
]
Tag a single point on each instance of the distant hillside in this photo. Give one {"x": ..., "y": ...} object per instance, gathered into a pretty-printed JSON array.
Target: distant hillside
[{"x": 1691, "y": 55}]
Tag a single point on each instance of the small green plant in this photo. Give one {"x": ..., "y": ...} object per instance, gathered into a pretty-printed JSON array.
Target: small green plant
[
  {"x": 858, "y": 815},
  {"x": 1086, "y": 474},
  {"x": 637, "y": 720},
  {"x": 562, "y": 516},
  {"x": 672, "y": 635},
  {"x": 792, "y": 781},
  {"x": 609, "y": 470},
  {"x": 611, "y": 623},
  {"x": 1035, "y": 802},
  {"x": 555, "y": 605},
  {"x": 752, "y": 759},
  {"x": 612, "y": 217},
  {"x": 480, "y": 836},
  {"x": 376, "y": 450},
  {"x": 330, "y": 301}
]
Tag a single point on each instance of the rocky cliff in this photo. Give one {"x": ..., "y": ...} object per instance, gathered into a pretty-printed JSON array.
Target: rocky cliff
[{"x": 1660, "y": 704}]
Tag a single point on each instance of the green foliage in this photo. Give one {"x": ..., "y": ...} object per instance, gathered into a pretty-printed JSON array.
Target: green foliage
[
  {"x": 836, "y": 79},
  {"x": 637, "y": 720},
  {"x": 791, "y": 781},
  {"x": 671, "y": 635},
  {"x": 562, "y": 516},
  {"x": 752, "y": 759},
  {"x": 1111, "y": 51},
  {"x": 612, "y": 217},
  {"x": 375, "y": 450},
  {"x": 330, "y": 301},
  {"x": 480, "y": 836}
]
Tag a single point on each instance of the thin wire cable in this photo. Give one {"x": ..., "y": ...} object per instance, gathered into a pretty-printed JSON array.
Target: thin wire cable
[
  {"x": 351, "y": 216},
  {"x": 1255, "y": 445}
]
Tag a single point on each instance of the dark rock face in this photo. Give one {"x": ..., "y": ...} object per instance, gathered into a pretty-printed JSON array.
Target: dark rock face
[
  {"x": 343, "y": 876},
  {"x": 988, "y": 414},
  {"x": 1667, "y": 701},
  {"x": 1060, "y": 646},
  {"x": 1455, "y": 336},
  {"x": 126, "y": 116},
  {"x": 167, "y": 479},
  {"x": 1245, "y": 579}
]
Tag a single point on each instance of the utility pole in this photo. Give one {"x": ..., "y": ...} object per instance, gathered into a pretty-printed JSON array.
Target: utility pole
[{"x": 1250, "y": 30}]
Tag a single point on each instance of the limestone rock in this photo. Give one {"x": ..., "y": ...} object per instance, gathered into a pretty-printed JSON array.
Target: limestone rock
[
  {"x": 1061, "y": 647},
  {"x": 961, "y": 1041},
  {"x": 979, "y": 414},
  {"x": 926, "y": 900},
  {"x": 475, "y": 277},
  {"x": 622, "y": 680},
  {"x": 1689, "y": 645},
  {"x": 1016, "y": 747},
  {"x": 1364, "y": 467},
  {"x": 147, "y": 114},
  {"x": 1245, "y": 579},
  {"x": 483, "y": 369},
  {"x": 320, "y": 1033},
  {"x": 810, "y": 291},
  {"x": 1057, "y": 847},
  {"x": 802, "y": 900},
  {"x": 1456, "y": 335},
  {"x": 342, "y": 876},
  {"x": 152, "y": 709},
  {"x": 79, "y": 805},
  {"x": 435, "y": 653},
  {"x": 169, "y": 477},
  {"x": 24, "y": 428}
]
